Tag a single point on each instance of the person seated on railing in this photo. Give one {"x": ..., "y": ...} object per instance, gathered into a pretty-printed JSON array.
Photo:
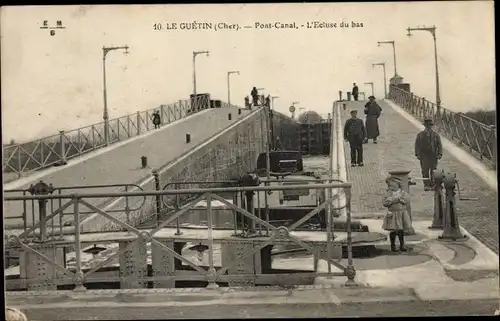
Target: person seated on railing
[
  {"x": 428, "y": 150},
  {"x": 255, "y": 96},
  {"x": 156, "y": 118}
]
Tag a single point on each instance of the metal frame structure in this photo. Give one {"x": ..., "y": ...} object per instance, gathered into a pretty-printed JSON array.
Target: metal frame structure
[
  {"x": 57, "y": 149},
  {"x": 480, "y": 139},
  {"x": 136, "y": 239}
]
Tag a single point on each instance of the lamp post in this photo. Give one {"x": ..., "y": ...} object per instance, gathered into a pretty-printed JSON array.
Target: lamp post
[
  {"x": 393, "y": 50},
  {"x": 385, "y": 77},
  {"x": 195, "y": 53},
  {"x": 371, "y": 84},
  {"x": 432, "y": 30},
  {"x": 229, "y": 73},
  {"x": 105, "y": 116}
]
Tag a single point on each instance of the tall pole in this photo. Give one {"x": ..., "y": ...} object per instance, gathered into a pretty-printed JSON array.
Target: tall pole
[
  {"x": 229, "y": 73},
  {"x": 195, "y": 53},
  {"x": 271, "y": 116},
  {"x": 105, "y": 115},
  {"x": 385, "y": 77},
  {"x": 432, "y": 30},
  {"x": 371, "y": 84},
  {"x": 392, "y": 42}
]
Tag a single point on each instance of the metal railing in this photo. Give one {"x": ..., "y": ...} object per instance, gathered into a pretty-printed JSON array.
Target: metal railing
[
  {"x": 135, "y": 237},
  {"x": 480, "y": 139},
  {"x": 59, "y": 214},
  {"x": 57, "y": 149}
]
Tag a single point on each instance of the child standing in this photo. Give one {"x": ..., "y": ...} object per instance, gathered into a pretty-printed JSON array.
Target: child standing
[{"x": 397, "y": 219}]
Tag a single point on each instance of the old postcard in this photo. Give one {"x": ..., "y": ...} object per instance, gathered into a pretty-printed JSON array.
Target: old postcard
[{"x": 249, "y": 160}]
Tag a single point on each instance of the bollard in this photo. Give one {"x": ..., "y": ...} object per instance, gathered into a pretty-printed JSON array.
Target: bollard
[
  {"x": 144, "y": 161},
  {"x": 250, "y": 179},
  {"x": 188, "y": 138},
  {"x": 340, "y": 95},
  {"x": 451, "y": 227},
  {"x": 349, "y": 96},
  {"x": 403, "y": 175},
  {"x": 239, "y": 111},
  {"x": 437, "y": 221},
  {"x": 41, "y": 188},
  {"x": 228, "y": 116}
]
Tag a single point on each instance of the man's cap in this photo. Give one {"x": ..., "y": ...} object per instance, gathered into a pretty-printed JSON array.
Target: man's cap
[
  {"x": 354, "y": 111},
  {"x": 371, "y": 97},
  {"x": 393, "y": 179},
  {"x": 428, "y": 121}
]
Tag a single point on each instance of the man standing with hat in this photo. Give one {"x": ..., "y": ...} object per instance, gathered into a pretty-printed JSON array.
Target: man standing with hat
[
  {"x": 372, "y": 112},
  {"x": 428, "y": 150},
  {"x": 355, "y": 91},
  {"x": 354, "y": 133}
]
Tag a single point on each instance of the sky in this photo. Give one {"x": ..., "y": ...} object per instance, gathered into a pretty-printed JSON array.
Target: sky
[{"x": 55, "y": 83}]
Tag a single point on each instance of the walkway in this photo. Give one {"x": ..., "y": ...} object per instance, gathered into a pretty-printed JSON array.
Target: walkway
[
  {"x": 394, "y": 151},
  {"x": 120, "y": 163}
]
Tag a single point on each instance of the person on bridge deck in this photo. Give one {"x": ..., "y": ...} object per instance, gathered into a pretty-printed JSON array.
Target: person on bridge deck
[
  {"x": 355, "y": 91},
  {"x": 428, "y": 150},
  {"x": 355, "y": 133},
  {"x": 156, "y": 119},
  {"x": 397, "y": 220},
  {"x": 268, "y": 101},
  {"x": 372, "y": 112},
  {"x": 255, "y": 96}
]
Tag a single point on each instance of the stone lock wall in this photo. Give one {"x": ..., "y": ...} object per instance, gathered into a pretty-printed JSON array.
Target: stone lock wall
[{"x": 227, "y": 155}]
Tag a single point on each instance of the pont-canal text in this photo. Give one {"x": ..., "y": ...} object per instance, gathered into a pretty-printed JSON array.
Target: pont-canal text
[{"x": 274, "y": 25}]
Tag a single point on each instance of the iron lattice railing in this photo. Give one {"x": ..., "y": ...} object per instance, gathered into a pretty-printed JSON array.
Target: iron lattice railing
[
  {"x": 480, "y": 139},
  {"x": 29, "y": 241},
  {"x": 57, "y": 149}
]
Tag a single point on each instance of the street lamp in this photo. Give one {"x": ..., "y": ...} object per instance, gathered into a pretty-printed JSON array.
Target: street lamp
[
  {"x": 385, "y": 77},
  {"x": 432, "y": 30},
  {"x": 371, "y": 84},
  {"x": 228, "y": 85},
  {"x": 105, "y": 116},
  {"x": 195, "y": 53},
  {"x": 393, "y": 50}
]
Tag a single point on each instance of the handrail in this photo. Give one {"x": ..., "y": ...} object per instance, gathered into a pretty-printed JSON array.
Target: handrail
[
  {"x": 135, "y": 237},
  {"x": 479, "y": 138},
  {"x": 57, "y": 149}
]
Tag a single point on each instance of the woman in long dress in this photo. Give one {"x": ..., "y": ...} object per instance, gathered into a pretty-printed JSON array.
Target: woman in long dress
[
  {"x": 397, "y": 219},
  {"x": 372, "y": 112}
]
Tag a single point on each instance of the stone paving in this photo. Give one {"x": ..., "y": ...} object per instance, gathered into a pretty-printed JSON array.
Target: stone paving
[{"x": 395, "y": 151}]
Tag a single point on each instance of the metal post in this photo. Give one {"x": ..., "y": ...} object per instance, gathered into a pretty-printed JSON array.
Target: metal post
[
  {"x": 211, "y": 270},
  {"x": 268, "y": 169},
  {"x": 438, "y": 95},
  {"x": 79, "y": 277},
  {"x": 228, "y": 90},
  {"x": 437, "y": 221},
  {"x": 63, "y": 147},
  {"x": 105, "y": 97},
  {"x": 177, "y": 208},
  {"x": 138, "y": 123},
  {"x": 158, "y": 197},
  {"x": 394, "y": 51},
  {"x": 127, "y": 209},
  {"x": 350, "y": 270},
  {"x": 385, "y": 82},
  {"x": 194, "y": 75}
]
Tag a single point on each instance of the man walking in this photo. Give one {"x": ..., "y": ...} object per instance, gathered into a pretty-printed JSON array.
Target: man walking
[
  {"x": 355, "y": 91},
  {"x": 354, "y": 133},
  {"x": 372, "y": 112},
  {"x": 428, "y": 150}
]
